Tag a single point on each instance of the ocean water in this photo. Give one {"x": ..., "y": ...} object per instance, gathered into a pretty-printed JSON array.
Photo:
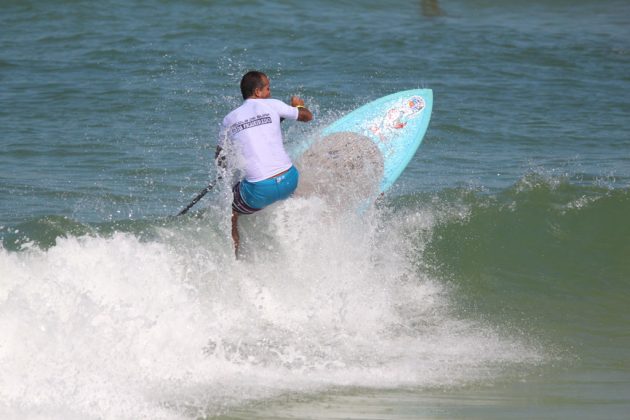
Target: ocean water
[{"x": 491, "y": 282}]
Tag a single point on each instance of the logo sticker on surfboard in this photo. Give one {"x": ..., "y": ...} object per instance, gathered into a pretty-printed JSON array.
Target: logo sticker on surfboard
[{"x": 397, "y": 117}]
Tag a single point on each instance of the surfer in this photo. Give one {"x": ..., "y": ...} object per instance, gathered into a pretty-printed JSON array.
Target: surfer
[{"x": 253, "y": 131}]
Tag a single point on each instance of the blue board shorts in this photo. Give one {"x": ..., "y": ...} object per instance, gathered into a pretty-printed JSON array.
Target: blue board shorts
[{"x": 249, "y": 197}]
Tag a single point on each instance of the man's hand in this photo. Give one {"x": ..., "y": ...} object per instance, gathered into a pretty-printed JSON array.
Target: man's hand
[
  {"x": 295, "y": 101},
  {"x": 220, "y": 158}
]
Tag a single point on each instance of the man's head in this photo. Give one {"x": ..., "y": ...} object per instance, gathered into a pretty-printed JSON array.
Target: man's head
[{"x": 255, "y": 84}]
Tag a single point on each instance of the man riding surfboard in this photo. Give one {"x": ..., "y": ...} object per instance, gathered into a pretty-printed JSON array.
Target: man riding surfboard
[{"x": 253, "y": 131}]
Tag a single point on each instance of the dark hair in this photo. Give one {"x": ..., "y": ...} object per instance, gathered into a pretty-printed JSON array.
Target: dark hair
[{"x": 250, "y": 82}]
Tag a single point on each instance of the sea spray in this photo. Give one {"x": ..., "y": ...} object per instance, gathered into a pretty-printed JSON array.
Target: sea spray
[{"x": 171, "y": 325}]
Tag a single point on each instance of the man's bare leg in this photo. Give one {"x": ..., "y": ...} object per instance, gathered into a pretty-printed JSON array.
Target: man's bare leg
[{"x": 235, "y": 237}]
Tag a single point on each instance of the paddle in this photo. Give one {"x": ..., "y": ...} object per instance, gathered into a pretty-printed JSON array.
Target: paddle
[{"x": 198, "y": 197}]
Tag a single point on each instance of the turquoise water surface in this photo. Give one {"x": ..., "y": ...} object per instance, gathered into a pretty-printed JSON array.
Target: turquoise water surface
[{"x": 491, "y": 282}]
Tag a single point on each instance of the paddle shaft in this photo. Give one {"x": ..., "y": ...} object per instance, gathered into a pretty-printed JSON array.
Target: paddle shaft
[{"x": 197, "y": 198}]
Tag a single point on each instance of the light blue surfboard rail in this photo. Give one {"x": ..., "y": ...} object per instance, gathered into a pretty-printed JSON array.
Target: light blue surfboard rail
[{"x": 396, "y": 123}]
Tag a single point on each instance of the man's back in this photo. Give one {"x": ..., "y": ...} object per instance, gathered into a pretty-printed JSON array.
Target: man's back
[{"x": 254, "y": 129}]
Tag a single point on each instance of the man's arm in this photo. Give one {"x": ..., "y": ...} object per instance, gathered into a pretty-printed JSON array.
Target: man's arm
[{"x": 304, "y": 114}]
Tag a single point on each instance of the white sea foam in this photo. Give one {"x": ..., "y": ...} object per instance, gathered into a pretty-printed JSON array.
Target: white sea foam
[{"x": 174, "y": 327}]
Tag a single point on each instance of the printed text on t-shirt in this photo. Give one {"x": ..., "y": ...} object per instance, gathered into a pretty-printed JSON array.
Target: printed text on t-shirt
[{"x": 249, "y": 123}]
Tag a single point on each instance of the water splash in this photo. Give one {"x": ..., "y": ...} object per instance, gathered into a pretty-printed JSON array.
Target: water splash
[{"x": 173, "y": 326}]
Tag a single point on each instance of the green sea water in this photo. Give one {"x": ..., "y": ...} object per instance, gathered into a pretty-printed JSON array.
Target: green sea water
[{"x": 491, "y": 282}]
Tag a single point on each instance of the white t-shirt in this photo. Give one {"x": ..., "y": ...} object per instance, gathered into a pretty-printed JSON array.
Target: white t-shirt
[{"x": 254, "y": 128}]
